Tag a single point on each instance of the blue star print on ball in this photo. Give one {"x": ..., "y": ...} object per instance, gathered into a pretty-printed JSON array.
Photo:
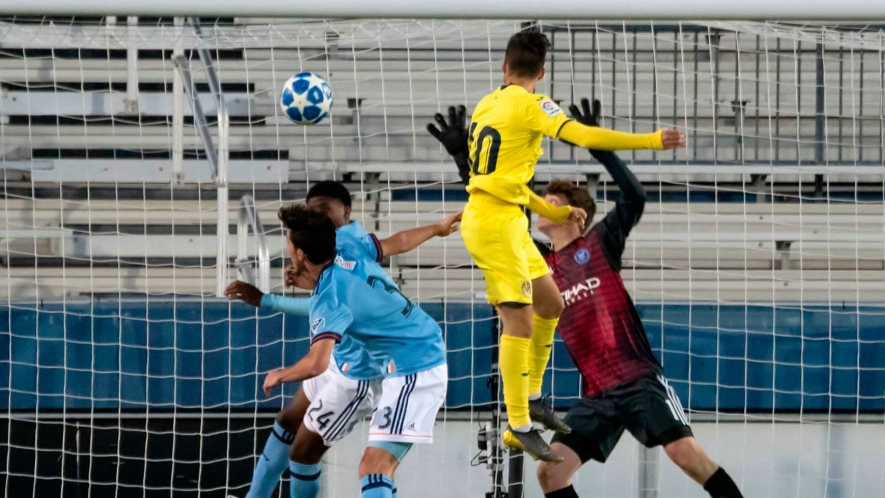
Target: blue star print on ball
[{"x": 306, "y": 98}]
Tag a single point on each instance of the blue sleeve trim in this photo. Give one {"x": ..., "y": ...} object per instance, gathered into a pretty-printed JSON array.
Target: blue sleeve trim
[{"x": 326, "y": 335}]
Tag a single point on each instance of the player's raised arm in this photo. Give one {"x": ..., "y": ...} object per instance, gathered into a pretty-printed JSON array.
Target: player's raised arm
[
  {"x": 631, "y": 203},
  {"x": 610, "y": 140},
  {"x": 408, "y": 240},
  {"x": 546, "y": 117}
]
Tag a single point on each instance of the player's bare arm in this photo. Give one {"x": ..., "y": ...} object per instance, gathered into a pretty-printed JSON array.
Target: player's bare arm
[
  {"x": 407, "y": 240},
  {"x": 313, "y": 364}
]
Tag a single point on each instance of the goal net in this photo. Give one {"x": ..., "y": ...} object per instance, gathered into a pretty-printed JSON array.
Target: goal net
[{"x": 758, "y": 266}]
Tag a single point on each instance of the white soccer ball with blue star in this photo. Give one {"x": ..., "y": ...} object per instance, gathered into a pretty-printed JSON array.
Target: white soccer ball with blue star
[{"x": 306, "y": 99}]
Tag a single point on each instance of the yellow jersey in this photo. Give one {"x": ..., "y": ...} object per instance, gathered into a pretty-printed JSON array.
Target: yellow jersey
[
  {"x": 505, "y": 141},
  {"x": 505, "y": 144}
]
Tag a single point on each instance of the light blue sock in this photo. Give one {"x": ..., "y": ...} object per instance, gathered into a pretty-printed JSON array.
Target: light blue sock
[
  {"x": 305, "y": 479},
  {"x": 393, "y": 491},
  {"x": 377, "y": 486},
  {"x": 271, "y": 464}
]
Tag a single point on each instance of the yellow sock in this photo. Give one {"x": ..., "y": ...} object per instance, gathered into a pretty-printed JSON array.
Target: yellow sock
[
  {"x": 515, "y": 376},
  {"x": 539, "y": 354}
]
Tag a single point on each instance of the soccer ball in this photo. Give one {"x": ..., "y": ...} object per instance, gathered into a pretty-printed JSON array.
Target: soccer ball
[{"x": 306, "y": 99}]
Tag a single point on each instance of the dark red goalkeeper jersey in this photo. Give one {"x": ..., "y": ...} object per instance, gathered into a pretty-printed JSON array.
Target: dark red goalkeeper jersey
[{"x": 600, "y": 326}]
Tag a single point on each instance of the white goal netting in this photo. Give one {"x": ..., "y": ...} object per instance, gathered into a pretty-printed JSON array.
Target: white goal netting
[{"x": 758, "y": 266}]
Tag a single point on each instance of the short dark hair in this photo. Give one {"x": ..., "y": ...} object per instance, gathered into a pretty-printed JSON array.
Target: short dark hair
[
  {"x": 526, "y": 52},
  {"x": 575, "y": 195},
  {"x": 310, "y": 231},
  {"x": 331, "y": 189}
]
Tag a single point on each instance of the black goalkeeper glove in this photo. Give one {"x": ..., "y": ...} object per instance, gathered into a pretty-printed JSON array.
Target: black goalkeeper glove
[
  {"x": 453, "y": 136},
  {"x": 588, "y": 117}
]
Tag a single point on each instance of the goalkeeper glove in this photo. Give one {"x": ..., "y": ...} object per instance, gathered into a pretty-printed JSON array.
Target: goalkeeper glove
[
  {"x": 453, "y": 136},
  {"x": 588, "y": 117}
]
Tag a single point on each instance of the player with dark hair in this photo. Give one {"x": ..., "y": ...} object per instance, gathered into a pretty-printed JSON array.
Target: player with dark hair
[
  {"x": 395, "y": 334},
  {"x": 624, "y": 385},
  {"x": 503, "y": 146},
  {"x": 347, "y": 388}
]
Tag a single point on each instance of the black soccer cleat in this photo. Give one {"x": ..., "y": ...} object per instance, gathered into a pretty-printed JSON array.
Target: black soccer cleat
[
  {"x": 541, "y": 411},
  {"x": 530, "y": 442}
]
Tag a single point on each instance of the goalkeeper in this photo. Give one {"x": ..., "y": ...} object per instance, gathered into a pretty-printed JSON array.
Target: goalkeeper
[
  {"x": 504, "y": 143},
  {"x": 624, "y": 385}
]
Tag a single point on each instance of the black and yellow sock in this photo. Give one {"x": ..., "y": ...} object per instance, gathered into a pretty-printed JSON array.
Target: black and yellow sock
[
  {"x": 539, "y": 354},
  {"x": 720, "y": 485},
  {"x": 514, "y": 364}
]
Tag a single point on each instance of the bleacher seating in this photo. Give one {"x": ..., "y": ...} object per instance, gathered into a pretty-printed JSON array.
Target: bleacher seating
[{"x": 788, "y": 248}]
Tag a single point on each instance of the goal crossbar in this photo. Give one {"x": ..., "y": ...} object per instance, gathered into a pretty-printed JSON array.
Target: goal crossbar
[{"x": 783, "y": 10}]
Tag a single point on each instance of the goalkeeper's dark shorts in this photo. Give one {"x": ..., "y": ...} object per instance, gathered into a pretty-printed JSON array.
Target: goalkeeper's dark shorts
[{"x": 648, "y": 408}]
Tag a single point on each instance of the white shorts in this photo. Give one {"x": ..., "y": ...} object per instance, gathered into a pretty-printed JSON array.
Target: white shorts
[
  {"x": 408, "y": 406},
  {"x": 337, "y": 403},
  {"x": 313, "y": 385}
]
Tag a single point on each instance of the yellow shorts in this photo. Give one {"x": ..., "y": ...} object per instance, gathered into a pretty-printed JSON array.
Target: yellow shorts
[{"x": 496, "y": 235}]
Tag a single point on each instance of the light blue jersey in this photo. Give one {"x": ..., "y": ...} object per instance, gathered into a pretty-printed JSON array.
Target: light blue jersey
[
  {"x": 395, "y": 333},
  {"x": 358, "y": 252}
]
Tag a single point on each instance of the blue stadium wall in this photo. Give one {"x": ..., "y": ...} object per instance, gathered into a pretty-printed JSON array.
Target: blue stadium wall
[{"x": 193, "y": 355}]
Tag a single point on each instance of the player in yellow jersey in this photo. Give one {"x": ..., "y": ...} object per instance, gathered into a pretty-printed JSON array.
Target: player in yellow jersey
[{"x": 504, "y": 143}]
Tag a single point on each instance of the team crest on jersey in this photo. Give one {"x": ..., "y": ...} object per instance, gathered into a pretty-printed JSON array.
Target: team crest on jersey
[
  {"x": 527, "y": 289},
  {"x": 582, "y": 257},
  {"x": 316, "y": 325},
  {"x": 343, "y": 263},
  {"x": 550, "y": 108}
]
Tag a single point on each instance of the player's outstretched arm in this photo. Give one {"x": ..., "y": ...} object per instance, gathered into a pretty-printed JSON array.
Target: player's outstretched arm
[
  {"x": 590, "y": 137},
  {"x": 250, "y": 294},
  {"x": 314, "y": 363},
  {"x": 453, "y": 136},
  {"x": 408, "y": 240}
]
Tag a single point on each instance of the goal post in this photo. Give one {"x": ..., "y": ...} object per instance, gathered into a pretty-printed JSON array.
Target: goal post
[{"x": 757, "y": 268}]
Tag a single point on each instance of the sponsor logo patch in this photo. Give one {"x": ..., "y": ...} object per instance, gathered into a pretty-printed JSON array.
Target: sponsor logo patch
[
  {"x": 343, "y": 263},
  {"x": 579, "y": 291},
  {"x": 582, "y": 257},
  {"x": 315, "y": 326},
  {"x": 550, "y": 108}
]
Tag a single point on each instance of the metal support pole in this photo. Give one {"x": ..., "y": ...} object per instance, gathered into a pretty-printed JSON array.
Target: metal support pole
[
  {"x": 130, "y": 104},
  {"x": 819, "y": 97},
  {"x": 177, "y": 112},
  {"x": 206, "y": 59},
  {"x": 248, "y": 218},
  {"x": 819, "y": 119},
  {"x": 515, "y": 471},
  {"x": 491, "y": 433},
  {"x": 648, "y": 472},
  {"x": 592, "y": 186},
  {"x": 218, "y": 160},
  {"x": 199, "y": 117}
]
